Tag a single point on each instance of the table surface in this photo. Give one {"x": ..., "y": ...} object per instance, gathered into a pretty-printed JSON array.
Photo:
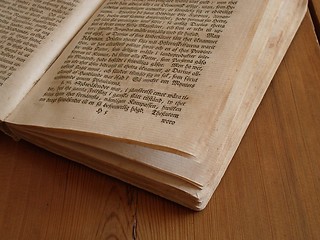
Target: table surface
[{"x": 271, "y": 189}]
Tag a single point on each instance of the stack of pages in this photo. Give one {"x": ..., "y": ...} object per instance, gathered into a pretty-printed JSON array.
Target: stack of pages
[{"x": 156, "y": 93}]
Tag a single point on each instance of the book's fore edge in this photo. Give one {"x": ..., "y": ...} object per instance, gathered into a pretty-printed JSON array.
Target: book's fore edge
[
  {"x": 244, "y": 78},
  {"x": 225, "y": 161},
  {"x": 177, "y": 191},
  {"x": 113, "y": 138},
  {"x": 49, "y": 135},
  {"x": 270, "y": 42},
  {"x": 242, "y": 55}
]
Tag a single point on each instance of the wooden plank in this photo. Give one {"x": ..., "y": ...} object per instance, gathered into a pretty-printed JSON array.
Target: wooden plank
[
  {"x": 44, "y": 196},
  {"x": 270, "y": 191}
]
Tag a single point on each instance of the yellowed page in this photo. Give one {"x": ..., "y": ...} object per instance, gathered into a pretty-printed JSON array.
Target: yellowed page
[
  {"x": 246, "y": 92},
  {"x": 32, "y": 34},
  {"x": 265, "y": 53},
  {"x": 147, "y": 71}
]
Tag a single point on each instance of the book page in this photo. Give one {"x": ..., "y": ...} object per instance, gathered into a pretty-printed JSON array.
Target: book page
[
  {"x": 32, "y": 34},
  {"x": 156, "y": 73},
  {"x": 267, "y": 48}
]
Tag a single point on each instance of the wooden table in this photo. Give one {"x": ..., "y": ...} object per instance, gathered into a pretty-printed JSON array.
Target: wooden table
[{"x": 271, "y": 190}]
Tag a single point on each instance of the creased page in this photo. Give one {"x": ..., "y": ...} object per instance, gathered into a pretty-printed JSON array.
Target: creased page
[
  {"x": 151, "y": 72},
  {"x": 32, "y": 34}
]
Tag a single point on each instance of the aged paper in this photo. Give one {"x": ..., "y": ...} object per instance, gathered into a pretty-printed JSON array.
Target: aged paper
[
  {"x": 32, "y": 35},
  {"x": 157, "y": 78}
]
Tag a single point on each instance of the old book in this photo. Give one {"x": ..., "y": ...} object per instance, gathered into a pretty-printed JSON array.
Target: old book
[{"x": 156, "y": 93}]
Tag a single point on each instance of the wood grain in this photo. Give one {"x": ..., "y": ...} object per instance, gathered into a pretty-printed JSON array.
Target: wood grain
[{"x": 271, "y": 190}]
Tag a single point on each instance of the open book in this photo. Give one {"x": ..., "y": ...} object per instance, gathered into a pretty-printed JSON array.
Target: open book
[{"x": 157, "y": 93}]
